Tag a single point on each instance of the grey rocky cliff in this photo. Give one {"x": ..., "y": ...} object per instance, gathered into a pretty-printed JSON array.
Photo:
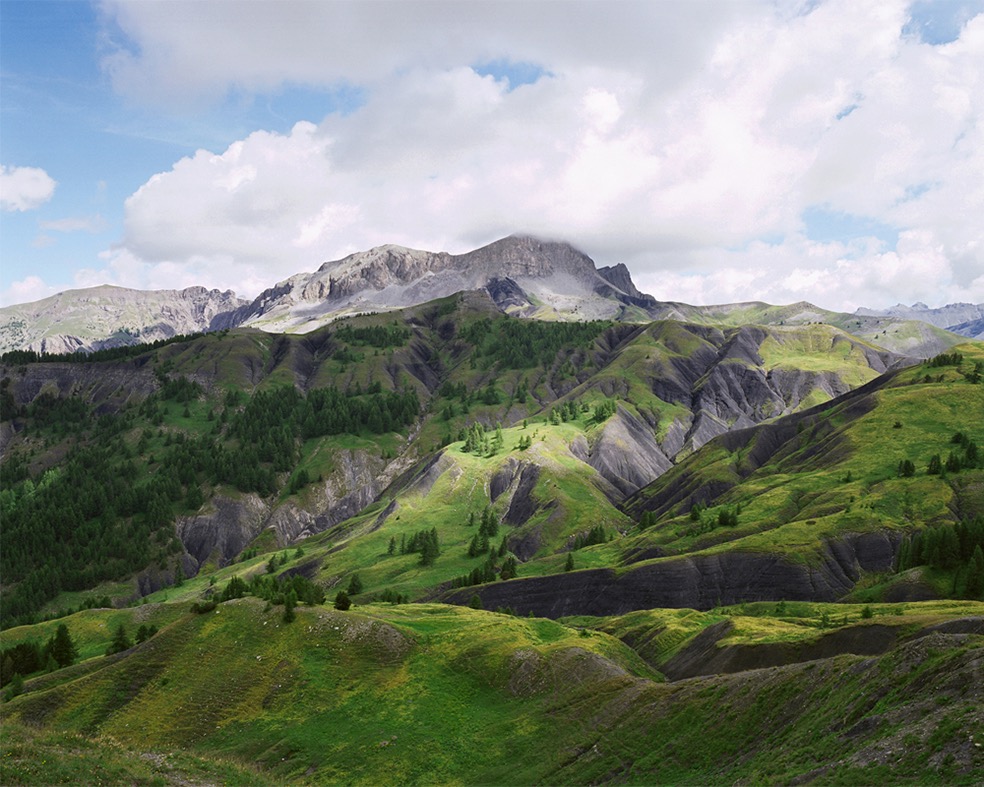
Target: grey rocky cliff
[
  {"x": 720, "y": 384},
  {"x": 627, "y": 453},
  {"x": 109, "y": 386},
  {"x": 693, "y": 581},
  {"x": 228, "y": 525}
]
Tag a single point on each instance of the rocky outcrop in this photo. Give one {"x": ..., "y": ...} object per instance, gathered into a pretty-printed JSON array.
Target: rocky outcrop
[
  {"x": 627, "y": 453},
  {"x": 228, "y": 525},
  {"x": 509, "y": 296},
  {"x": 973, "y": 329},
  {"x": 107, "y": 386},
  {"x": 694, "y": 581},
  {"x": 706, "y": 654},
  {"x": 778, "y": 441},
  {"x": 225, "y": 531}
]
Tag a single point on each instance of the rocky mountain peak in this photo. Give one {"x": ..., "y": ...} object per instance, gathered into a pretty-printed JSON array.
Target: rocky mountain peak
[
  {"x": 563, "y": 280},
  {"x": 524, "y": 255},
  {"x": 110, "y": 316}
]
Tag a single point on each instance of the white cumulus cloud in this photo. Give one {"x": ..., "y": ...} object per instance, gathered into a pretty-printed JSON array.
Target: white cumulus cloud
[
  {"x": 686, "y": 140},
  {"x": 24, "y": 188}
]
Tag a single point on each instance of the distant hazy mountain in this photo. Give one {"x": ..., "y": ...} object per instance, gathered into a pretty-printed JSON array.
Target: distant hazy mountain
[
  {"x": 100, "y": 317},
  {"x": 966, "y": 319},
  {"x": 524, "y": 276}
]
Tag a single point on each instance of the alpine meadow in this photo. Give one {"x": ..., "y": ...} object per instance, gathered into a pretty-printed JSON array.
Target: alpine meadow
[{"x": 540, "y": 530}]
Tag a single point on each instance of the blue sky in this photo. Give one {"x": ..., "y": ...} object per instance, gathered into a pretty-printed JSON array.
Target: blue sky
[{"x": 725, "y": 151}]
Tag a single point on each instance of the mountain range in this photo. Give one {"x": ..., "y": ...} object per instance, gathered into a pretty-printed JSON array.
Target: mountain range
[
  {"x": 967, "y": 319},
  {"x": 524, "y": 276},
  {"x": 490, "y": 518}
]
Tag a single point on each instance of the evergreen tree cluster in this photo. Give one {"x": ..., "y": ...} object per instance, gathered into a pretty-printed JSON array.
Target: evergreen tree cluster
[
  {"x": 478, "y": 440},
  {"x": 26, "y": 658},
  {"x": 293, "y": 588},
  {"x": 120, "y": 642},
  {"x": 945, "y": 359},
  {"x": 705, "y": 522},
  {"x": 424, "y": 542},
  {"x": 491, "y": 569},
  {"x": 487, "y": 530},
  {"x": 489, "y": 524},
  {"x": 647, "y": 520},
  {"x": 379, "y": 336},
  {"x": 967, "y": 456},
  {"x": 82, "y": 523},
  {"x": 568, "y": 411},
  {"x": 604, "y": 410},
  {"x": 392, "y": 597},
  {"x": 57, "y": 414},
  {"x": 906, "y": 468},
  {"x": 273, "y": 419},
  {"x": 106, "y": 512},
  {"x": 950, "y": 547},
  {"x": 524, "y": 344},
  {"x": 595, "y": 535},
  {"x": 178, "y": 389}
]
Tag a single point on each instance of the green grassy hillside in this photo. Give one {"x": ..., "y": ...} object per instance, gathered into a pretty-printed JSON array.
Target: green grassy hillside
[
  {"x": 179, "y": 459},
  {"x": 213, "y": 497},
  {"x": 430, "y": 693},
  {"x": 831, "y": 471}
]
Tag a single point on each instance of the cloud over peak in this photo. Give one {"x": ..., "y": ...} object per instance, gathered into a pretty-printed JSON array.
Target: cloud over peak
[{"x": 694, "y": 142}]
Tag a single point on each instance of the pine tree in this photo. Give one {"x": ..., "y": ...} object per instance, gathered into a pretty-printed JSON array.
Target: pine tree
[
  {"x": 15, "y": 687},
  {"x": 569, "y": 565},
  {"x": 63, "y": 648},
  {"x": 120, "y": 641},
  {"x": 430, "y": 548},
  {"x": 354, "y": 585},
  {"x": 342, "y": 601},
  {"x": 290, "y": 601},
  {"x": 975, "y": 578}
]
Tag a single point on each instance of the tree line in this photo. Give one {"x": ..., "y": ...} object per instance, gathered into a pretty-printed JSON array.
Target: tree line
[
  {"x": 21, "y": 357},
  {"x": 951, "y": 547},
  {"x": 523, "y": 344}
]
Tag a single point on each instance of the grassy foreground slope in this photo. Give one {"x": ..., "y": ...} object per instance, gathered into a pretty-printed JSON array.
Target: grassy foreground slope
[{"x": 435, "y": 694}]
